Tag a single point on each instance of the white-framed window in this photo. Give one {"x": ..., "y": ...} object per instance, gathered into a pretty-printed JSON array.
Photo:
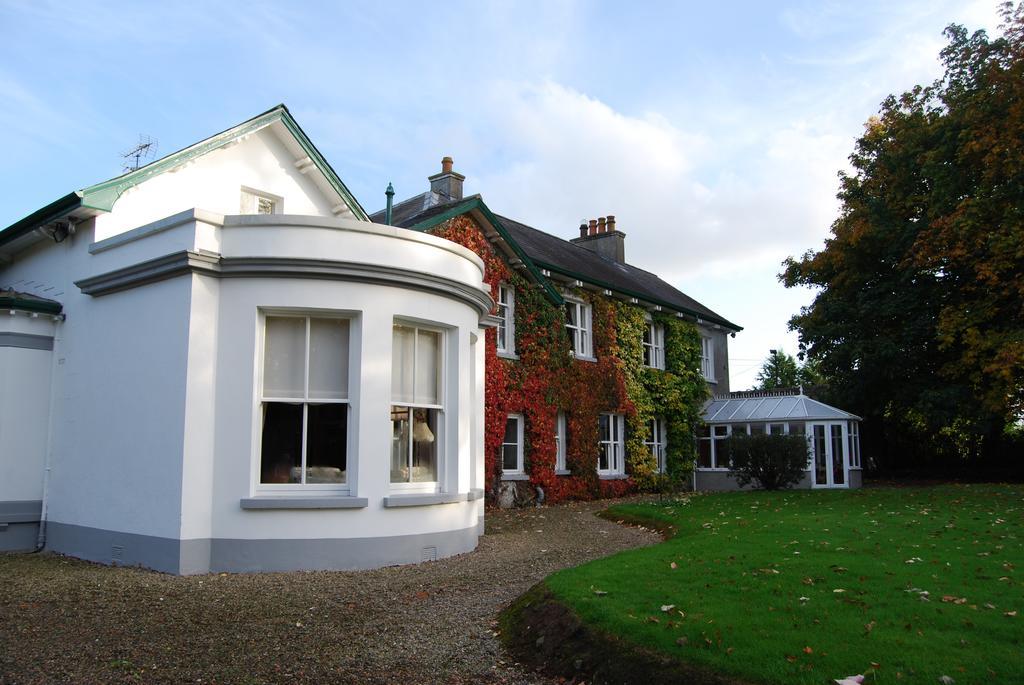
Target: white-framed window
[
  {"x": 654, "y": 345},
  {"x": 417, "y": 403},
  {"x": 506, "y": 319},
  {"x": 561, "y": 435},
  {"x": 712, "y": 450},
  {"x": 854, "y": 433},
  {"x": 657, "y": 441},
  {"x": 611, "y": 445},
  {"x": 707, "y": 358},
  {"x": 512, "y": 446},
  {"x": 578, "y": 323},
  {"x": 259, "y": 202},
  {"x": 304, "y": 397}
]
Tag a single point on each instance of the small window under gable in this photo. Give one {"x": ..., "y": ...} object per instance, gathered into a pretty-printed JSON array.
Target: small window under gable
[{"x": 259, "y": 202}]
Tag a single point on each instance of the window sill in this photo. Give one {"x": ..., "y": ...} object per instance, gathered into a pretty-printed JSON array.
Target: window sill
[
  {"x": 612, "y": 476},
  {"x": 712, "y": 381},
  {"x": 584, "y": 359},
  {"x": 715, "y": 469},
  {"x": 426, "y": 499},
  {"x": 253, "y": 503},
  {"x": 515, "y": 476},
  {"x": 563, "y": 472},
  {"x": 508, "y": 355}
]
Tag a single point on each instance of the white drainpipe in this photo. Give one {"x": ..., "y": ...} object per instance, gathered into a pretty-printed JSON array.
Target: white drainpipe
[{"x": 54, "y": 370}]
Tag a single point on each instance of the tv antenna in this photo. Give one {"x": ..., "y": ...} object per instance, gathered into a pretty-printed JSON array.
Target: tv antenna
[{"x": 140, "y": 154}]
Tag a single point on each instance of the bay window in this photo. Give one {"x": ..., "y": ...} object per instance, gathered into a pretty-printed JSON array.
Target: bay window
[
  {"x": 304, "y": 402},
  {"x": 611, "y": 445},
  {"x": 416, "y": 403}
]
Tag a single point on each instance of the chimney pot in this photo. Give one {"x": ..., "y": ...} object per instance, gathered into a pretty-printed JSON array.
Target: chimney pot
[
  {"x": 601, "y": 228},
  {"x": 593, "y": 227},
  {"x": 611, "y": 223},
  {"x": 583, "y": 228},
  {"x": 446, "y": 165}
]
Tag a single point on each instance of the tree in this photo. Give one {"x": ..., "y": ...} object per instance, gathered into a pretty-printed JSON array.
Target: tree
[
  {"x": 781, "y": 370},
  {"x": 919, "y": 322}
]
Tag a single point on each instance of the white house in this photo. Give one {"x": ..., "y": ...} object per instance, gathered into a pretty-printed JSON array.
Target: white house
[{"x": 218, "y": 363}]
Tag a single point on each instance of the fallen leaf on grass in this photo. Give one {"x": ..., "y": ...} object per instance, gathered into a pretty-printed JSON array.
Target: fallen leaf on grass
[
  {"x": 946, "y": 680},
  {"x": 808, "y": 650},
  {"x": 1011, "y": 614},
  {"x": 599, "y": 593},
  {"x": 667, "y": 607},
  {"x": 673, "y": 566},
  {"x": 839, "y": 590},
  {"x": 851, "y": 680},
  {"x": 868, "y": 627}
]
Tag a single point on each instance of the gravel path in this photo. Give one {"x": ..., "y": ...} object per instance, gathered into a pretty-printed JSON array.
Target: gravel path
[{"x": 62, "y": 620}]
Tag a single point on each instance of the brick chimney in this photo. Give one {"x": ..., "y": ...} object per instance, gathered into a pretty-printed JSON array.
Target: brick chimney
[
  {"x": 447, "y": 184},
  {"x": 599, "y": 235}
]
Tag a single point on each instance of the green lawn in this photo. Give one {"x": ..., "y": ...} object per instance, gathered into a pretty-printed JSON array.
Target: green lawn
[{"x": 905, "y": 585}]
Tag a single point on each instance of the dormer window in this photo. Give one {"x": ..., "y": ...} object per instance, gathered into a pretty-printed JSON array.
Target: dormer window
[{"x": 259, "y": 202}]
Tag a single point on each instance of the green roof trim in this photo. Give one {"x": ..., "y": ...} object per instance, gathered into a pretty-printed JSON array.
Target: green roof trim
[
  {"x": 476, "y": 203},
  {"x": 641, "y": 296},
  {"x": 102, "y": 196},
  {"x": 30, "y": 304},
  {"x": 57, "y": 209}
]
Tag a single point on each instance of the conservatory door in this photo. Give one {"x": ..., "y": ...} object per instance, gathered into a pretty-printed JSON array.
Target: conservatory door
[{"x": 828, "y": 455}]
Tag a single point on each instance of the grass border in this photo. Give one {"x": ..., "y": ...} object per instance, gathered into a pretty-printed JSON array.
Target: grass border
[{"x": 548, "y": 636}]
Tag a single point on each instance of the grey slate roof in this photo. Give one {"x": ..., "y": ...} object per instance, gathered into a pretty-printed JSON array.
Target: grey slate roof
[
  {"x": 555, "y": 254},
  {"x": 772, "y": 408}
]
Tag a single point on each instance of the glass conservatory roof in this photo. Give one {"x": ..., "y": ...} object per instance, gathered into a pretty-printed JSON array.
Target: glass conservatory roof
[{"x": 771, "y": 407}]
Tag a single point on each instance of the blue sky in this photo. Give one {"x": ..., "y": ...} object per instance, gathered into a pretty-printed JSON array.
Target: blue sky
[{"x": 714, "y": 134}]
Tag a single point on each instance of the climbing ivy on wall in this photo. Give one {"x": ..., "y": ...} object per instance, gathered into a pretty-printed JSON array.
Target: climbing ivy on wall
[
  {"x": 675, "y": 394},
  {"x": 547, "y": 378}
]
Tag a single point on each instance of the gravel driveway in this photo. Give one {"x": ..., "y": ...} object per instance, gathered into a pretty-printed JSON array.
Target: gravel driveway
[{"x": 62, "y": 620}]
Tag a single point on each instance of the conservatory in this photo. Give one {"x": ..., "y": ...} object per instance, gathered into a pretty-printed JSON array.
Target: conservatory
[{"x": 833, "y": 437}]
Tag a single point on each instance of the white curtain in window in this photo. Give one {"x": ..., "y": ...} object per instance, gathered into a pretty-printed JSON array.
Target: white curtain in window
[
  {"x": 402, "y": 354},
  {"x": 328, "y": 359},
  {"x": 284, "y": 357},
  {"x": 428, "y": 345}
]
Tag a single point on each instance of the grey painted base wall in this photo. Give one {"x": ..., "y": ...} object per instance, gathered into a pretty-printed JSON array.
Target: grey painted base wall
[
  {"x": 18, "y": 537},
  {"x": 187, "y": 557}
]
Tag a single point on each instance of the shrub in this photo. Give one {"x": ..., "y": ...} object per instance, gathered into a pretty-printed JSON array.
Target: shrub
[{"x": 773, "y": 461}]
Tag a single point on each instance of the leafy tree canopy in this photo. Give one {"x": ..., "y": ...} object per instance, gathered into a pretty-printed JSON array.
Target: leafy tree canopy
[
  {"x": 781, "y": 370},
  {"x": 920, "y": 316}
]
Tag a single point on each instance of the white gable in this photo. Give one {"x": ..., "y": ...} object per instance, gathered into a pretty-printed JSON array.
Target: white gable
[{"x": 267, "y": 161}]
